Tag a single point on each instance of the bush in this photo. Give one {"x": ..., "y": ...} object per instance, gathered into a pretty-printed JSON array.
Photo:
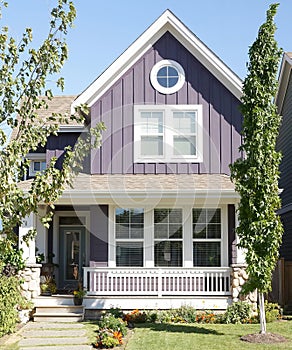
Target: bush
[
  {"x": 238, "y": 312},
  {"x": 110, "y": 331},
  {"x": 208, "y": 317},
  {"x": 272, "y": 311},
  {"x": 10, "y": 299}
]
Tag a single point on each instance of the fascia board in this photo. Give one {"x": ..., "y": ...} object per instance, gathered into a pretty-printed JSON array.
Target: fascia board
[
  {"x": 284, "y": 75},
  {"x": 167, "y": 22},
  {"x": 196, "y": 194}
]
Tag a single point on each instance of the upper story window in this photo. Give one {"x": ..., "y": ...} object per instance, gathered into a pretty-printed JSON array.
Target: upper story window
[
  {"x": 37, "y": 163},
  {"x": 168, "y": 133},
  {"x": 167, "y": 76}
]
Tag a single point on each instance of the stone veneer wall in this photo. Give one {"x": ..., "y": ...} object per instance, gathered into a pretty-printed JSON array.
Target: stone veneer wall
[
  {"x": 31, "y": 281},
  {"x": 239, "y": 276}
]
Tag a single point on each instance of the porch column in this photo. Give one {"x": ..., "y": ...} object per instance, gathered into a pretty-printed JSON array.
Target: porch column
[
  {"x": 240, "y": 255},
  {"x": 41, "y": 240},
  {"x": 29, "y": 247}
]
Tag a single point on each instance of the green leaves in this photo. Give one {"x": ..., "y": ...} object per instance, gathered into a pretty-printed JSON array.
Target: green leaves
[
  {"x": 24, "y": 72},
  {"x": 256, "y": 176}
]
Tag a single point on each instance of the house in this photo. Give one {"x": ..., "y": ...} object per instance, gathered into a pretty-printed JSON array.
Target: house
[
  {"x": 151, "y": 223},
  {"x": 284, "y": 104}
]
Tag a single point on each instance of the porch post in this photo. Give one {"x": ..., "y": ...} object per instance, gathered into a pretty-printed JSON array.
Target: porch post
[
  {"x": 42, "y": 233},
  {"x": 29, "y": 247}
]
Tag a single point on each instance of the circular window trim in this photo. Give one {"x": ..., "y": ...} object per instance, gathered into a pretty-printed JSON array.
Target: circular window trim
[{"x": 162, "y": 89}]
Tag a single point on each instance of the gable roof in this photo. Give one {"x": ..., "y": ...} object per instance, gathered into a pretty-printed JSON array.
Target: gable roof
[
  {"x": 166, "y": 22},
  {"x": 284, "y": 75},
  {"x": 58, "y": 104}
]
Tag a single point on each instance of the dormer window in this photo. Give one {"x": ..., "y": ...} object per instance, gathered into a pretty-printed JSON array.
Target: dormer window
[{"x": 167, "y": 76}]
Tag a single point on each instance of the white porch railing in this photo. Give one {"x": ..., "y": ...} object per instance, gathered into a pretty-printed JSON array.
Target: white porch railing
[{"x": 104, "y": 281}]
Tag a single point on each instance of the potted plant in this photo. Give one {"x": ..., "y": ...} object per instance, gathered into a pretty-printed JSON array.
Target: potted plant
[
  {"x": 48, "y": 285},
  {"x": 78, "y": 294}
]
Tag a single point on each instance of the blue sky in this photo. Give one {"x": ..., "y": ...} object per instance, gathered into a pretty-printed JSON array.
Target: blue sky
[{"x": 104, "y": 29}]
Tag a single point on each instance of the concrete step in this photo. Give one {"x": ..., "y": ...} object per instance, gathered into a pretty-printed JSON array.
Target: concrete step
[{"x": 59, "y": 313}]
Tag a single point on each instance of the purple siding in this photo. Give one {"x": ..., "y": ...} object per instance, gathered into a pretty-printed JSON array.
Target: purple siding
[
  {"x": 99, "y": 234},
  {"x": 221, "y": 117}
]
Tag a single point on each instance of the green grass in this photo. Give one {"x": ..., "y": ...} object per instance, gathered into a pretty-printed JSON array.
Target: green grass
[{"x": 204, "y": 336}]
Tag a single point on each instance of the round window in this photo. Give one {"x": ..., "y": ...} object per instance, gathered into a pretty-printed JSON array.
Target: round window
[{"x": 167, "y": 76}]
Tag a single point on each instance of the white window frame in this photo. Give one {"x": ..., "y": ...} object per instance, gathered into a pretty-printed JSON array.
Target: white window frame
[
  {"x": 127, "y": 240},
  {"x": 221, "y": 240},
  {"x": 168, "y": 134},
  {"x": 162, "y": 89},
  {"x": 35, "y": 157}
]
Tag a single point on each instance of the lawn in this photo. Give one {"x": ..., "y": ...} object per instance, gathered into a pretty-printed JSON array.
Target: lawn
[{"x": 203, "y": 336}]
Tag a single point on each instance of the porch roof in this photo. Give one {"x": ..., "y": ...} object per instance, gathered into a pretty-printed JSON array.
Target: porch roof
[{"x": 124, "y": 185}]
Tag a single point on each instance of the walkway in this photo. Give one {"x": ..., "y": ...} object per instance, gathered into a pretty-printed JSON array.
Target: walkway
[{"x": 53, "y": 336}]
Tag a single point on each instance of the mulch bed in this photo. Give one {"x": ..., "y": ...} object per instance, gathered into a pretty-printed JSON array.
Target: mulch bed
[{"x": 267, "y": 338}]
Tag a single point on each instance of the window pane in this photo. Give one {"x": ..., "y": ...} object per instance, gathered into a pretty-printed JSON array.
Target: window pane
[
  {"x": 172, "y": 82},
  {"x": 214, "y": 215},
  {"x": 175, "y": 216},
  {"x": 152, "y": 122},
  {"x": 43, "y": 165},
  {"x": 172, "y": 72},
  {"x": 206, "y": 254},
  {"x": 137, "y": 231},
  {"x": 199, "y": 215},
  {"x": 184, "y": 145},
  {"x": 122, "y": 215},
  {"x": 214, "y": 231},
  {"x": 137, "y": 216},
  {"x": 199, "y": 231},
  {"x": 175, "y": 231},
  {"x": 162, "y": 81},
  {"x": 168, "y": 253},
  {"x": 122, "y": 231},
  {"x": 184, "y": 122},
  {"x": 36, "y": 166},
  {"x": 160, "y": 215},
  {"x": 160, "y": 231},
  {"x": 162, "y": 72},
  {"x": 129, "y": 254},
  {"x": 151, "y": 145},
  {"x": 72, "y": 220}
]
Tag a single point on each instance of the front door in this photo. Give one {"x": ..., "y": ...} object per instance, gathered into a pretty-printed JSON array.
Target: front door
[{"x": 72, "y": 256}]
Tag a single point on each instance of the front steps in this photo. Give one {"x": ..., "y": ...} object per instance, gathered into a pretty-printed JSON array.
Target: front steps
[{"x": 58, "y": 313}]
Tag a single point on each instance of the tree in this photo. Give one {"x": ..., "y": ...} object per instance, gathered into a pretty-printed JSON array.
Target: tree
[
  {"x": 24, "y": 73},
  {"x": 256, "y": 174}
]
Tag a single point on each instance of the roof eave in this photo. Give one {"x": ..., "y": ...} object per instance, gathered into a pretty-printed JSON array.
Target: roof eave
[{"x": 284, "y": 74}]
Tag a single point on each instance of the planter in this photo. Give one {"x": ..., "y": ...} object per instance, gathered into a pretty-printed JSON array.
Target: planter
[{"x": 77, "y": 301}]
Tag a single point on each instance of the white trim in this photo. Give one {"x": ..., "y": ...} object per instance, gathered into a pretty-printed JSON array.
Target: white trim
[
  {"x": 166, "y": 22},
  {"x": 71, "y": 128},
  {"x": 167, "y": 90},
  {"x": 169, "y": 132},
  {"x": 284, "y": 75}
]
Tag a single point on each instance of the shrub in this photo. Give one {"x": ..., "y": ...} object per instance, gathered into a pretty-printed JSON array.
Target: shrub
[
  {"x": 109, "y": 321},
  {"x": 272, "y": 311},
  {"x": 238, "y": 312},
  {"x": 136, "y": 316},
  {"x": 110, "y": 331},
  {"x": 10, "y": 299},
  {"x": 208, "y": 317}
]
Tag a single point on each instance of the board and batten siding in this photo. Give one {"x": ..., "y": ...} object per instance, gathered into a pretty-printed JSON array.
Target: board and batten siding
[
  {"x": 284, "y": 145},
  {"x": 221, "y": 117}
]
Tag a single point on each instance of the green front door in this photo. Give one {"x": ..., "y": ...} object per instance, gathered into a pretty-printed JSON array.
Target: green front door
[{"x": 72, "y": 256}]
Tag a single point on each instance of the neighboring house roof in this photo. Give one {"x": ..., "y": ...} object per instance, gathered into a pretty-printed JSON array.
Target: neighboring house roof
[
  {"x": 140, "y": 185},
  {"x": 58, "y": 104},
  {"x": 284, "y": 75},
  {"x": 166, "y": 22}
]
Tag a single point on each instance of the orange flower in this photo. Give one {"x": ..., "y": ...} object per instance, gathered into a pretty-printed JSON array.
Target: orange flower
[{"x": 119, "y": 336}]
